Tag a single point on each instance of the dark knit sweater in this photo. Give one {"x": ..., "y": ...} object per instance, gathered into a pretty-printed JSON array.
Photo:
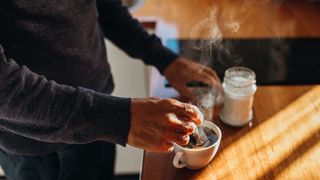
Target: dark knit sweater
[{"x": 54, "y": 77}]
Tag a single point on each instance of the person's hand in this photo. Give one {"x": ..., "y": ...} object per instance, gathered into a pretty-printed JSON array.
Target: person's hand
[
  {"x": 182, "y": 71},
  {"x": 156, "y": 123}
]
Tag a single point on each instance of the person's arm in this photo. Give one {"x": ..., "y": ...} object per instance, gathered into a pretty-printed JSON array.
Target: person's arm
[
  {"x": 128, "y": 34},
  {"x": 34, "y": 107}
]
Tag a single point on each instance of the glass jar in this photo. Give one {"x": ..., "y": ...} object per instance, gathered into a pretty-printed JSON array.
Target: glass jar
[
  {"x": 239, "y": 86},
  {"x": 205, "y": 100}
]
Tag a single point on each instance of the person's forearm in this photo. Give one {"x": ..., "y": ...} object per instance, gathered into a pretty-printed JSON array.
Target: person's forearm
[
  {"x": 34, "y": 107},
  {"x": 127, "y": 33}
]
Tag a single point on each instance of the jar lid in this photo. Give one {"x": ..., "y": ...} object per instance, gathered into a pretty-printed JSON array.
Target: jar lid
[{"x": 240, "y": 77}]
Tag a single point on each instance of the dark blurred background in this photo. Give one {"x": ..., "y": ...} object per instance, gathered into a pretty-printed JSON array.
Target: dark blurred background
[{"x": 287, "y": 61}]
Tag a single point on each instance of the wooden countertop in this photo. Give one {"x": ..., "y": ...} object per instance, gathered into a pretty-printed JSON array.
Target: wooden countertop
[
  {"x": 235, "y": 19},
  {"x": 283, "y": 141}
]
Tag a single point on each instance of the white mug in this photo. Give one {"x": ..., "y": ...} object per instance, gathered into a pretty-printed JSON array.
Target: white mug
[{"x": 199, "y": 157}]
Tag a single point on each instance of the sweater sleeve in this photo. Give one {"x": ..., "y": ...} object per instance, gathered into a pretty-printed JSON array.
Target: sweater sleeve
[
  {"x": 33, "y": 107},
  {"x": 128, "y": 34}
]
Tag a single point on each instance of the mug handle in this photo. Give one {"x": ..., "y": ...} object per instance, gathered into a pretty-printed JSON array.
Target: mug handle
[{"x": 176, "y": 160}]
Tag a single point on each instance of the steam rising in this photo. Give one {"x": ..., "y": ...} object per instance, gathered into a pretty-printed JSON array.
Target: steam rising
[
  {"x": 208, "y": 34},
  {"x": 217, "y": 37},
  {"x": 211, "y": 37}
]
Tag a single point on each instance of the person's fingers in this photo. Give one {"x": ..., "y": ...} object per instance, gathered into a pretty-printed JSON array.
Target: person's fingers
[
  {"x": 216, "y": 80},
  {"x": 192, "y": 120},
  {"x": 180, "y": 108},
  {"x": 212, "y": 73},
  {"x": 166, "y": 147},
  {"x": 177, "y": 138},
  {"x": 184, "y": 90},
  {"x": 182, "y": 127},
  {"x": 200, "y": 118},
  {"x": 217, "y": 85},
  {"x": 159, "y": 143},
  {"x": 184, "y": 124},
  {"x": 154, "y": 98},
  {"x": 209, "y": 79},
  {"x": 202, "y": 76}
]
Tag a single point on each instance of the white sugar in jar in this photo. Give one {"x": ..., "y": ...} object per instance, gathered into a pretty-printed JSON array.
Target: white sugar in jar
[{"x": 239, "y": 85}]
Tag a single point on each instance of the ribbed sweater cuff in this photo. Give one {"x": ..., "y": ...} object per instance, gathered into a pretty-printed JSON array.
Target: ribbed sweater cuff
[
  {"x": 166, "y": 57},
  {"x": 111, "y": 116}
]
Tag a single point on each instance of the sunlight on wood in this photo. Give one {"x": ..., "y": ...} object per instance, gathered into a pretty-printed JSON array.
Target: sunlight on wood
[
  {"x": 309, "y": 159},
  {"x": 268, "y": 145},
  {"x": 282, "y": 142}
]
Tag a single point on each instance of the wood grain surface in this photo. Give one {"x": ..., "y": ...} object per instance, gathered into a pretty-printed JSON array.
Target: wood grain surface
[
  {"x": 235, "y": 19},
  {"x": 281, "y": 142}
]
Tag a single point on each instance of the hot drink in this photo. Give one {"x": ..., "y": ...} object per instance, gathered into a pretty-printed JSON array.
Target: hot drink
[
  {"x": 197, "y": 155},
  {"x": 206, "y": 136}
]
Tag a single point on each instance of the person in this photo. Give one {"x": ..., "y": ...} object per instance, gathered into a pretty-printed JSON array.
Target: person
[{"x": 57, "y": 117}]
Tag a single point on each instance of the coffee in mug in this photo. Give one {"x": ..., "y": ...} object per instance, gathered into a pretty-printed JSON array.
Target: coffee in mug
[
  {"x": 209, "y": 138},
  {"x": 198, "y": 157}
]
